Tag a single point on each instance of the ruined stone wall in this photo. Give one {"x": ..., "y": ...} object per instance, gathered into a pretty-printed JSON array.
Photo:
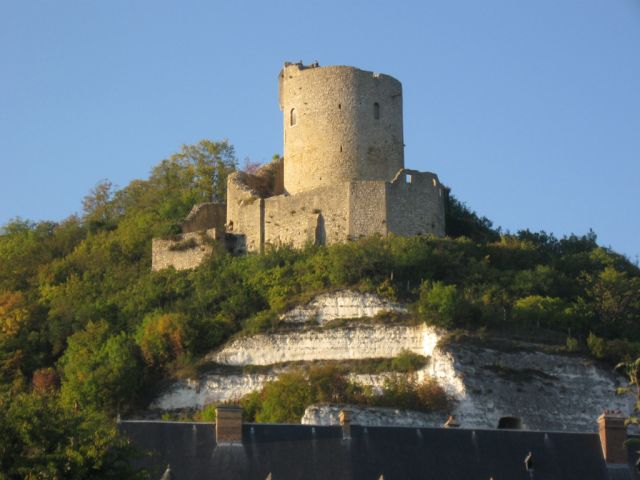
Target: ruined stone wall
[
  {"x": 317, "y": 216},
  {"x": 348, "y": 126},
  {"x": 183, "y": 251},
  {"x": 415, "y": 204},
  {"x": 204, "y": 216},
  {"x": 367, "y": 209},
  {"x": 347, "y": 210},
  {"x": 245, "y": 214}
]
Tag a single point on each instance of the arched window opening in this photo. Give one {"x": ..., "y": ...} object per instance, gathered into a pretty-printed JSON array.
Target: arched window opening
[
  {"x": 376, "y": 111},
  {"x": 294, "y": 117}
]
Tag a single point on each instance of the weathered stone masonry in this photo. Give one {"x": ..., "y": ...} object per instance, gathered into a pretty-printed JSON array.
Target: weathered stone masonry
[{"x": 342, "y": 176}]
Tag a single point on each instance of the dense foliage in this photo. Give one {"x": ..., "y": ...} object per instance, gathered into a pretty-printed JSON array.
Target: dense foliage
[
  {"x": 40, "y": 437},
  {"x": 81, "y": 311},
  {"x": 285, "y": 399}
]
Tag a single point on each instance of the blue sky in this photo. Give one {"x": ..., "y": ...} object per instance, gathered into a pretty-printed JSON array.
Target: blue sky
[{"x": 529, "y": 111}]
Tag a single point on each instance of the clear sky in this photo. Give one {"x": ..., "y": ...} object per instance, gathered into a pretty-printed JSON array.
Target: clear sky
[{"x": 528, "y": 110}]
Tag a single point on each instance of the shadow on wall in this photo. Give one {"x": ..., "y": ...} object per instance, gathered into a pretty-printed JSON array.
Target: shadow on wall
[{"x": 321, "y": 234}]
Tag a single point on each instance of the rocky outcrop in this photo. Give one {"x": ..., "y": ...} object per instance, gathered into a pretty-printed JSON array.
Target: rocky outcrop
[
  {"x": 548, "y": 391},
  {"x": 212, "y": 388},
  {"x": 341, "y": 305},
  {"x": 371, "y": 416},
  {"x": 357, "y": 341}
]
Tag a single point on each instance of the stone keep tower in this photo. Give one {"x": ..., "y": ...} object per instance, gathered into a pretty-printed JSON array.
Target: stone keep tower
[
  {"x": 342, "y": 176},
  {"x": 340, "y": 124}
]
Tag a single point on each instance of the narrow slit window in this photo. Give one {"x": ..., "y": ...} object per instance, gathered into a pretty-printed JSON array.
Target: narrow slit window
[
  {"x": 294, "y": 117},
  {"x": 376, "y": 111},
  {"x": 408, "y": 178}
]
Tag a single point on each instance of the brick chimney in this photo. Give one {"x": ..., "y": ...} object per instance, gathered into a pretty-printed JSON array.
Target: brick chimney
[
  {"x": 345, "y": 422},
  {"x": 228, "y": 425},
  {"x": 613, "y": 434}
]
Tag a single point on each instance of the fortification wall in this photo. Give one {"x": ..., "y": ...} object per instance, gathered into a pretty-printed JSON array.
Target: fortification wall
[
  {"x": 415, "y": 204},
  {"x": 340, "y": 124},
  {"x": 316, "y": 216},
  {"x": 184, "y": 251},
  {"x": 367, "y": 209},
  {"x": 204, "y": 216},
  {"x": 245, "y": 214}
]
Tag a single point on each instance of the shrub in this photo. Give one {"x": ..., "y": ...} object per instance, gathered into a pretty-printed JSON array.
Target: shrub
[
  {"x": 438, "y": 302},
  {"x": 596, "y": 345},
  {"x": 163, "y": 338},
  {"x": 207, "y": 414},
  {"x": 407, "y": 361},
  {"x": 540, "y": 311},
  {"x": 285, "y": 400},
  {"x": 401, "y": 391},
  {"x": 572, "y": 344},
  {"x": 613, "y": 351}
]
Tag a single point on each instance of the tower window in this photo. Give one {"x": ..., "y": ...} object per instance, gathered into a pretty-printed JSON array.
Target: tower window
[
  {"x": 294, "y": 117},
  {"x": 376, "y": 111}
]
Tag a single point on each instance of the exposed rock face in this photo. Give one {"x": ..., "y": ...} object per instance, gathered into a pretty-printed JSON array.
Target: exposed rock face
[
  {"x": 341, "y": 305},
  {"x": 209, "y": 389},
  {"x": 547, "y": 391},
  {"x": 360, "y": 341},
  {"x": 382, "y": 417}
]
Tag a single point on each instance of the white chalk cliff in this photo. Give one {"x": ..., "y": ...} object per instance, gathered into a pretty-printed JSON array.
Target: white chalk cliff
[{"x": 548, "y": 391}]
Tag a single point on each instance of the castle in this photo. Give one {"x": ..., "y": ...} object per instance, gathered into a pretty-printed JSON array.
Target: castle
[{"x": 342, "y": 176}]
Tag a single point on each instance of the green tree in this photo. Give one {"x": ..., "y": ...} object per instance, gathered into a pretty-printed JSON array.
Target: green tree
[
  {"x": 285, "y": 400},
  {"x": 536, "y": 310},
  {"x": 99, "y": 370},
  {"x": 438, "y": 303},
  {"x": 201, "y": 169},
  {"x": 163, "y": 338},
  {"x": 613, "y": 298},
  {"x": 460, "y": 221},
  {"x": 40, "y": 437},
  {"x": 100, "y": 211}
]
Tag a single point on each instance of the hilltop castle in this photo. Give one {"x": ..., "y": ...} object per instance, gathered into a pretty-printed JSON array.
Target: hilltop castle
[{"x": 342, "y": 176}]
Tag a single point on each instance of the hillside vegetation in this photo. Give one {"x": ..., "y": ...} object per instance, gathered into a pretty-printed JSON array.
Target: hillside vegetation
[{"x": 87, "y": 330}]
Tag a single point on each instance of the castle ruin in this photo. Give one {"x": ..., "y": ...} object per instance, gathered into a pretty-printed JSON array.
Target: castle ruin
[{"x": 342, "y": 176}]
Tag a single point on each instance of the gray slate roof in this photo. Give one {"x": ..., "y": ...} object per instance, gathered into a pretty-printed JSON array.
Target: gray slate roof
[{"x": 398, "y": 453}]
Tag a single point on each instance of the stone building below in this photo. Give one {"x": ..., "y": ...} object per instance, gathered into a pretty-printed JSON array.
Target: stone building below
[{"x": 342, "y": 176}]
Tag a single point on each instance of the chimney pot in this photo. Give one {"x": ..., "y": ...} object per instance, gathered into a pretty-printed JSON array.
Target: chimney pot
[
  {"x": 345, "y": 422},
  {"x": 451, "y": 422},
  {"x": 228, "y": 425},
  {"x": 613, "y": 433}
]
